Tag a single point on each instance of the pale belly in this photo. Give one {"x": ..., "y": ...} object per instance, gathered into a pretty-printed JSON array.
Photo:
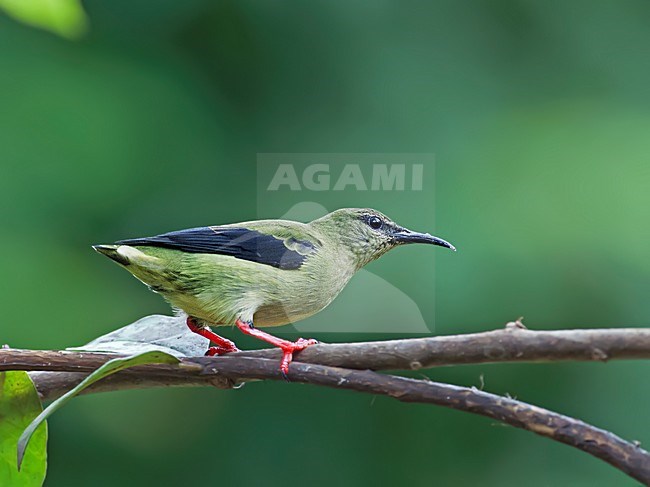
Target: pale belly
[
  {"x": 269, "y": 302},
  {"x": 263, "y": 308}
]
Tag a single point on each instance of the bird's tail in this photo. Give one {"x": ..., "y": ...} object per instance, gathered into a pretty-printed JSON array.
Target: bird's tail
[{"x": 131, "y": 257}]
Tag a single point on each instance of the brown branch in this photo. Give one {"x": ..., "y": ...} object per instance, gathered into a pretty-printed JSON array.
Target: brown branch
[
  {"x": 317, "y": 365},
  {"x": 626, "y": 456},
  {"x": 511, "y": 344},
  {"x": 51, "y": 385}
]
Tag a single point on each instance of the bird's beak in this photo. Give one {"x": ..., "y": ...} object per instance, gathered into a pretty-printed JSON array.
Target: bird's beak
[{"x": 407, "y": 236}]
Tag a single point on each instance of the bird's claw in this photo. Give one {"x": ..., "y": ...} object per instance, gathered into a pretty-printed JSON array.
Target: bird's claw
[
  {"x": 212, "y": 351},
  {"x": 288, "y": 351},
  {"x": 304, "y": 343}
]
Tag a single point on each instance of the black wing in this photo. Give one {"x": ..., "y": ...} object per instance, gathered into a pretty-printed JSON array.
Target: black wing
[{"x": 237, "y": 242}]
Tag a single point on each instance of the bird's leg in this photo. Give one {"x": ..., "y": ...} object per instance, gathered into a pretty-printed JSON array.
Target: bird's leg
[
  {"x": 287, "y": 347},
  {"x": 223, "y": 344}
]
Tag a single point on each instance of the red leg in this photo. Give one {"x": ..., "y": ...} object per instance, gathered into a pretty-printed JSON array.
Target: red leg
[
  {"x": 287, "y": 347},
  {"x": 223, "y": 344}
]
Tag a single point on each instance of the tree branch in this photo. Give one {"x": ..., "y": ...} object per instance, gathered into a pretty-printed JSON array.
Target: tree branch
[
  {"x": 338, "y": 366},
  {"x": 514, "y": 343}
]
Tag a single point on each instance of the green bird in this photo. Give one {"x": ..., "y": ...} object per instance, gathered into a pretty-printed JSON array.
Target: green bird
[{"x": 260, "y": 273}]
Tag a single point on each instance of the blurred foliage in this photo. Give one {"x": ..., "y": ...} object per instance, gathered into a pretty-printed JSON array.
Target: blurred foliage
[
  {"x": 63, "y": 17},
  {"x": 538, "y": 114},
  {"x": 19, "y": 405}
]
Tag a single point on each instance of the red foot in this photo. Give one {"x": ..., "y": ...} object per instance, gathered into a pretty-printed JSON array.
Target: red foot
[
  {"x": 223, "y": 344},
  {"x": 212, "y": 351},
  {"x": 287, "y": 347},
  {"x": 287, "y": 352}
]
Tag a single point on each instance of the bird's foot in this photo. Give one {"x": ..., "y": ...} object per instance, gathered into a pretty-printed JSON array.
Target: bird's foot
[
  {"x": 219, "y": 350},
  {"x": 288, "y": 349},
  {"x": 223, "y": 344}
]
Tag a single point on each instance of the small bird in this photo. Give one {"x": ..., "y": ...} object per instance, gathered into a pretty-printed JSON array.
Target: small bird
[{"x": 260, "y": 273}]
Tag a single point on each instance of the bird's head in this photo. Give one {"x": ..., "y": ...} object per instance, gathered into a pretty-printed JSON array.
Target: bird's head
[{"x": 369, "y": 234}]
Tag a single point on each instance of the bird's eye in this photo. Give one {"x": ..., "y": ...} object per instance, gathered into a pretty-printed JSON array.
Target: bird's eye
[{"x": 375, "y": 222}]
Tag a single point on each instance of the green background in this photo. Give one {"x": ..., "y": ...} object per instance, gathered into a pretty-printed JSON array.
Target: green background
[{"x": 538, "y": 114}]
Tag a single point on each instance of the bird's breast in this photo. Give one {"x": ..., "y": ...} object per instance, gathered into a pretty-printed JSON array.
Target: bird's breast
[{"x": 304, "y": 292}]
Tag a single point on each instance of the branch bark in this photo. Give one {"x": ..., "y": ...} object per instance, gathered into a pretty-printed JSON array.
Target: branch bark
[
  {"x": 514, "y": 343},
  {"x": 511, "y": 344},
  {"x": 342, "y": 366}
]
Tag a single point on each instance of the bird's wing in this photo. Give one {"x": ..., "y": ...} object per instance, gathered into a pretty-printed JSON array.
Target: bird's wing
[{"x": 284, "y": 251}]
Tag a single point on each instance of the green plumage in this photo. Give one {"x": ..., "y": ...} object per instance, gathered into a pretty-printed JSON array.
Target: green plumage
[{"x": 242, "y": 275}]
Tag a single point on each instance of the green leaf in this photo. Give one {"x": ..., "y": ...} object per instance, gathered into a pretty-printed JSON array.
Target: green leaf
[
  {"x": 19, "y": 405},
  {"x": 110, "y": 367},
  {"x": 63, "y": 17},
  {"x": 155, "y": 332}
]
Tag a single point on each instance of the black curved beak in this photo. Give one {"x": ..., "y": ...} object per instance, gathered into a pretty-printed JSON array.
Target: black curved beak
[{"x": 405, "y": 236}]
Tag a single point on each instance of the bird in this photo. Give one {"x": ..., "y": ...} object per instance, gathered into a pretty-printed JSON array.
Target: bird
[{"x": 261, "y": 273}]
